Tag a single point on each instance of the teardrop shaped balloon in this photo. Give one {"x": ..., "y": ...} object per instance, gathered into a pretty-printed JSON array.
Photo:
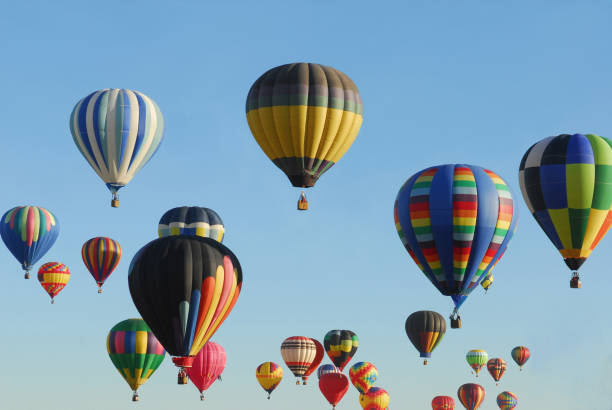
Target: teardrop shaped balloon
[
  {"x": 29, "y": 232},
  {"x": 471, "y": 395},
  {"x": 304, "y": 116},
  {"x": 455, "y": 221},
  {"x": 269, "y": 375},
  {"x": 327, "y": 368},
  {"x": 184, "y": 287},
  {"x": 298, "y": 352},
  {"x": 101, "y": 256},
  {"x": 425, "y": 329},
  {"x": 117, "y": 131},
  {"x": 567, "y": 186},
  {"x": 363, "y": 375},
  {"x": 340, "y": 346},
  {"x": 135, "y": 352},
  {"x": 443, "y": 403},
  {"x": 334, "y": 387},
  {"x": 507, "y": 400},
  {"x": 375, "y": 399},
  {"x": 520, "y": 355},
  {"x": 207, "y": 366},
  {"x": 320, "y": 353},
  {"x": 53, "y": 276},
  {"x": 191, "y": 220},
  {"x": 497, "y": 368},
  {"x": 477, "y": 358}
]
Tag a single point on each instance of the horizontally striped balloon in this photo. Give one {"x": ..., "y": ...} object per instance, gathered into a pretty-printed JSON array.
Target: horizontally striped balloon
[
  {"x": 191, "y": 220},
  {"x": 455, "y": 221},
  {"x": 375, "y": 399},
  {"x": 471, "y": 395},
  {"x": 117, "y": 131},
  {"x": 269, "y": 375},
  {"x": 477, "y": 358},
  {"x": 327, "y": 368},
  {"x": 53, "y": 276},
  {"x": 363, "y": 375},
  {"x": 101, "y": 256},
  {"x": 507, "y": 400},
  {"x": 520, "y": 354},
  {"x": 497, "y": 368},
  {"x": 29, "y": 232},
  {"x": 298, "y": 352},
  {"x": 340, "y": 346}
]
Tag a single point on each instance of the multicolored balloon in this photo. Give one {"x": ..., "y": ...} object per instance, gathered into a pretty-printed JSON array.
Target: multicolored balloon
[
  {"x": 207, "y": 366},
  {"x": 471, "y": 395},
  {"x": 304, "y": 116},
  {"x": 375, "y": 399},
  {"x": 184, "y": 287},
  {"x": 363, "y": 375},
  {"x": 298, "y": 352},
  {"x": 334, "y": 387},
  {"x": 443, "y": 403},
  {"x": 320, "y": 353},
  {"x": 29, "y": 232},
  {"x": 425, "y": 329},
  {"x": 135, "y": 352},
  {"x": 567, "y": 187},
  {"x": 477, "y": 358},
  {"x": 53, "y": 276},
  {"x": 507, "y": 400},
  {"x": 455, "y": 221},
  {"x": 327, "y": 368},
  {"x": 520, "y": 354},
  {"x": 340, "y": 346},
  {"x": 269, "y": 375},
  {"x": 487, "y": 282},
  {"x": 117, "y": 131},
  {"x": 101, "y": 256},
  {"x": 497, "y": 368},
  {"x": 191, "y": 220}
]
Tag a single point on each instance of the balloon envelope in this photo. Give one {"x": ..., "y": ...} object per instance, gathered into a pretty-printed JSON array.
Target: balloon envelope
[
  {"x": 298, "y": 352},
  {"x": 327, "y": 368},
  {"x": 269, "y": 375},
  {"x": 471, "y": 395},
  {"x": 375, "y": 399},
  {"x": 443, "y": 403},
  {"x": 507, "y": 400},
  {"x": 320, "y": 353},
  {"x": 207, "y": 366},
  {"x": 363, "y": 375},
  {"x": 191, "y": 220},
  {"x": 340, "y": 346},
  {"x": 101, "y": 256},
  {"x": 53, "y": 276},
  {"x": 497, "y": 368},
  {"x": 520, "y": 354},
  {"x": 334, "y": 387},
  {"x": 425, "y": 329},
  {"x": 477, "y": 358}
]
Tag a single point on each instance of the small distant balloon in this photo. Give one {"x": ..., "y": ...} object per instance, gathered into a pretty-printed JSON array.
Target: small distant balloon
[
  {"x": 53, "y": 276},
  {"x": 269, "y": 375}
]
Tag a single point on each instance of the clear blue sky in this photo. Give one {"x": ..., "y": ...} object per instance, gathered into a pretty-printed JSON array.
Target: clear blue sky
[{"x": 442, "y": 81}]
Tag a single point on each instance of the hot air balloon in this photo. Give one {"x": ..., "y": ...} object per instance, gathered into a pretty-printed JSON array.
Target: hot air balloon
[
  {"x": 207, "y": 367},
  {"x": 567, "y": 187},
  {"x": 101, "y": 256},
  {"x": 340, "y": 346},
  {"x": 134, "y": 351},
  {"x": 471, "y": 395},
  {"x": 520, "y": 354},
  {"x": 304, "y": 117},
  {"x": 117, "y": 131},
  {"x": 320, "y": 353},
  {"x": 375, "y": 399},
  {"x": 334, "y": 387},
  {"x": 269, "y": 375},
  {"x": 327, "y": 368},
  {"x": 443, "y": 403},
  {"x": 184, "y": 287},
  {"x": 298, "y": 352},
  {"x": 53, "y": 276},
  {"x": 29, "y": 232},
  {"x": 506, "y": 400},
  {"x": 425, "y": 329},
  {"x": 487, "y": 282},
  {"x": 363, "y": 375},
  {"x": 477, "y": 358},
  {"x": 191, "y": 220},
  {"x": 455, "y": 221},
  {"x": 497, "y": 368}
]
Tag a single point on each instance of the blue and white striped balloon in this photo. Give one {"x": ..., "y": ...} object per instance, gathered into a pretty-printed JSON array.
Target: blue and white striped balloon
[
  {"x": 327, "y": 368},
  {"x": 117, "y": 131}
]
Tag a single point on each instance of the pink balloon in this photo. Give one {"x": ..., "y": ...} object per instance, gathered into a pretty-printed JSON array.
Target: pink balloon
[{"x": 207, "y": 367}]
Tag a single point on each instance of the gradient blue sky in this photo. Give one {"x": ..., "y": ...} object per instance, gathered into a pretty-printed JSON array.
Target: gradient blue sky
[{"x": 442, "y": 81}]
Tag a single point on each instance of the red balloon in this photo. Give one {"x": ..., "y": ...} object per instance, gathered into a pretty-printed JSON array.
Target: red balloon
[
  {"x": 471, "y": 395},
  {"x": 443, "y": 403},
  {"x": 334, "y": 387},
  {"x": 317, "y": 360},
  {"x": 207, "y": 367}
]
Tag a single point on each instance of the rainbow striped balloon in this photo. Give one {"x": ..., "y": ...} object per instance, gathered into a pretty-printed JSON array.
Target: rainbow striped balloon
[
  {"x": 375, "y": 399},
  {"x": 363, "y": 375},
  {"x": 507, "y": 400},
  {"x": 471, "y": 395},
  {"x": 53, "y": 276},
  {"x": 101, "y": 256}
]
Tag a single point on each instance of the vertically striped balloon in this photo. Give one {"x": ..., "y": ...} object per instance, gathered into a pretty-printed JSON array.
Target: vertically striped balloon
[
  {"x": 134, "y": 351},
  {"x": 53, "y": 276},
  {"x": 269, "y": 375},
  {"x": 363, "y": 375},
  {"x": 298, "y": 352},
  {"x": 117, "y": 131},
  {"x": 207, "y": 366},
  {"x": 520, "y": 354},
  {"x": 443, "y": 403},
  {"x": 455, "y": 221},
  {"x": 497, "y": 368},
  {"x": 425, "y": 329},
  {"x": 477, "y": 358},
  {"x": 29, "y": 232},
  {"x": 507, "y": 400},
  {"x": 191, "y": 220},
  {"x": 101, "y": 256},
  {"x": 340, "y": 346},
  {"x": 327, "y": 368},
  {"x": 471, "y": 395},
  {"x": 375, "y": 399}
]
